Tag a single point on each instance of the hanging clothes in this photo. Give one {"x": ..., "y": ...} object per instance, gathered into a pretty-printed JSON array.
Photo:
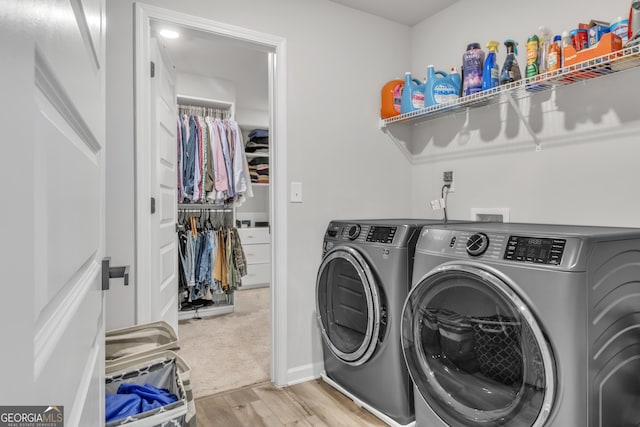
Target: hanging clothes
[
  {"x": 211, "y": 160},
  {"x": 212, "y": 261}
]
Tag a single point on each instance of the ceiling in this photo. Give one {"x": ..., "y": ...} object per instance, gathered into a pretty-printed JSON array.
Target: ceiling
[
  {"x": 213, "y": 56},
  {"x": 408, "y": 12},
  {"x": 246, "y": 64}
]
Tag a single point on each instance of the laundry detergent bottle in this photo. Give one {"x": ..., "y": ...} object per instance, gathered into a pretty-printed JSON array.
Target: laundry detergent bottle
[
  {"x": 554, "y": 56},
  {"x": 440, "y": 88},
  {"x": 472, "y": 62},
  {"x": 391, "y": 98},
  {"x": 533, "y": 48},
  {"x": 412, "y": 94},
  {"x": 455, "y": 77},
  {"x": 491, "y": 72},
  {"x": 510, "y": 69}
]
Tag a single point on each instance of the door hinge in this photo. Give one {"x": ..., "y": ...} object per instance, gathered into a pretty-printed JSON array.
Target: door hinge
[
  {"x": 153, "y": 205},
  {"x": 153, "y": 69}
]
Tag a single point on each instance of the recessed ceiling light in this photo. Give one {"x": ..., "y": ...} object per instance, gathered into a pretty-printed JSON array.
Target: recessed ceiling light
[{"x": 169, "y": 34}]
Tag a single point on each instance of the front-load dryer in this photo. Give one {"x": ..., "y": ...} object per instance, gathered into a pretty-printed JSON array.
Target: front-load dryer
[
  {"x": 524, "y": 325},
  {"x": 362, "y": 282}
]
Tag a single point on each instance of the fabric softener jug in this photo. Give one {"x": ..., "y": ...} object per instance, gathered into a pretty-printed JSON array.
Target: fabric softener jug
[
  {"x": 472, "y": 62},
  {"x": 510, "y": 69},
  {"x": 440, "y": 88},
  {"x": 412, "y": 94}
]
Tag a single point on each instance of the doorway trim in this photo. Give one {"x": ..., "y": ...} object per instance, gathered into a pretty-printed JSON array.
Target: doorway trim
[{"x": 143, "y": 16}]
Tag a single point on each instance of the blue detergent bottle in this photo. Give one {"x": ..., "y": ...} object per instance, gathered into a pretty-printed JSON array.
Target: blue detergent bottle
[
  {"x": 440, "y": 88},
  {"x": 412, "y": 94},
  {"x": 454, "y": 75},
  {"x": 491, "y": 72}
]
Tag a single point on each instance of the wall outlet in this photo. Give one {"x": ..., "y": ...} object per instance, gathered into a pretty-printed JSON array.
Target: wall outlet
[{"x": 447, "y": 177}]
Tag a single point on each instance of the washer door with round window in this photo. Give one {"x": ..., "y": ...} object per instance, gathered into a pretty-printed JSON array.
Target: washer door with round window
[
  {"x": 474, "y": 350},
  {"x": 348, "y": 305}
]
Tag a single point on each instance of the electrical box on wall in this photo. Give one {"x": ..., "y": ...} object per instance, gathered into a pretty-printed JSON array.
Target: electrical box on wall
[{"x": 490, "y": 214}]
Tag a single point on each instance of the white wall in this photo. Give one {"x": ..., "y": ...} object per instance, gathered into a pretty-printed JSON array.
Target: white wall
[
  {"x": 587, "y": 171},
  {"x": 338, "y": 59}
]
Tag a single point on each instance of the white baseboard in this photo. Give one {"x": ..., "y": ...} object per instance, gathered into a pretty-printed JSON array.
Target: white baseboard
[{"x": 304, "y": 373}]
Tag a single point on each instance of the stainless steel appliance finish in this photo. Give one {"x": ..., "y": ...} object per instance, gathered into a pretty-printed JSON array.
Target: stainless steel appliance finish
[
  {"x": 524, "y": 325},
  {"x": 362, "y": 282}
]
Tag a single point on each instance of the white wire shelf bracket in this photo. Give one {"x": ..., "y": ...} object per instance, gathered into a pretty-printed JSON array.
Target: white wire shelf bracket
[{"x": 604, "y": 65}]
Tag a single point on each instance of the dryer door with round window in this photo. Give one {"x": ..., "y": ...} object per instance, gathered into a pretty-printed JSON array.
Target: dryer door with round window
[
  {"x": 474, "y": 350},
  {"x": 348, "y": 305}
]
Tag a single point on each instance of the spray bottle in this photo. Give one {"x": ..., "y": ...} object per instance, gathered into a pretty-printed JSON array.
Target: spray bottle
[
  {"x": 510, "y": 69},
  {"x": 545, "y": 36},
  {"x": 491, "y": 72}
]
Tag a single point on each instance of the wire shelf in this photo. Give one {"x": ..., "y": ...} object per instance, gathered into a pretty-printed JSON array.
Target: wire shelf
[{"x": 604, "y": 65}]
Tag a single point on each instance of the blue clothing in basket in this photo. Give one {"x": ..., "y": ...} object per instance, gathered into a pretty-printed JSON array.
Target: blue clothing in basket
[{"x": 132, "y": 399}]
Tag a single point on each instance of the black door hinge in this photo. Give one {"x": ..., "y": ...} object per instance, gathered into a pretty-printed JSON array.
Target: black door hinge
[
  {"x": 153, "y": 69},
  {"x": 153, "y": 205}
]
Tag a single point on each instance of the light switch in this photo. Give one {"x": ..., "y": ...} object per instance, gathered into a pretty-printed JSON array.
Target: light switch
[{"x": 296, "y": 192}]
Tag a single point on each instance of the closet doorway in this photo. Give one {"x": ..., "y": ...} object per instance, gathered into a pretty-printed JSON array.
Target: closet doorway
[{"x": 204, "y": 57}]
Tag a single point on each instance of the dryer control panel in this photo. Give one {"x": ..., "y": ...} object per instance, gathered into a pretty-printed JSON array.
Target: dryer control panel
[
  {"x": 541, "y": 250},
  {"x": 360, "y": 233}
]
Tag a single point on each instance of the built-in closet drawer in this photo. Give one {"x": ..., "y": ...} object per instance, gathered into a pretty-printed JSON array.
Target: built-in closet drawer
[
  {"x": 257, "y": 274},
  {"x": 257, "y": 254},
  {"x": 255, "y": 235},
  {"x": 256, "y": 244}
]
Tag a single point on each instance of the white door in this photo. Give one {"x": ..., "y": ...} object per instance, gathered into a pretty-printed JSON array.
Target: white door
[
  {"x": 52, "y": 169},
  {"x": 164, "y": 175}
]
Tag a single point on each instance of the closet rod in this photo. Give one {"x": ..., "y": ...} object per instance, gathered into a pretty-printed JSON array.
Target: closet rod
[
  {"x": 203, "y": 206},
  {"x": 204, "y": 111}
]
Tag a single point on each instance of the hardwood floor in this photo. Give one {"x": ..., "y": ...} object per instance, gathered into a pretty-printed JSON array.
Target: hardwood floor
[{"x": 312, "y": 403}]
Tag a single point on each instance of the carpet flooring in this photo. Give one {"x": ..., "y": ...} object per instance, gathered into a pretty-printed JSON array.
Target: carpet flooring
[{"x": 229, "y": 351}]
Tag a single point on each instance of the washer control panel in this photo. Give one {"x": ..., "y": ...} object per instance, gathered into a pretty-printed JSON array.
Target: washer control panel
[
  {"x": 379, "y": 234},
  {"x": 477, "y": 244},
  {"x": 541, "y": 250},
  {"x": 484, "y": 244}
]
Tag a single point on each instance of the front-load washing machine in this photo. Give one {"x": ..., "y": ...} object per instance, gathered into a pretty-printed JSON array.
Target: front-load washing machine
[
  {"x": 524, "y": 325},
  {"x": 362, "y": 282}
]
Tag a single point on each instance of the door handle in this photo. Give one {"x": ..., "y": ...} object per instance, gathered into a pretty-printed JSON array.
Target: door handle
[{"x": 109, "y": 272}]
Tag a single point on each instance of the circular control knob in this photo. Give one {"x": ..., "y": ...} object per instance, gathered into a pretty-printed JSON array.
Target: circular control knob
[
  {"x": 477, "y": 244},
  {"x": 354, "y": 232}
]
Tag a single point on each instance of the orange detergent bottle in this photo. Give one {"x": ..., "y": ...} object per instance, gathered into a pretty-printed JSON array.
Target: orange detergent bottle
[{"x": 391, "y": 98}]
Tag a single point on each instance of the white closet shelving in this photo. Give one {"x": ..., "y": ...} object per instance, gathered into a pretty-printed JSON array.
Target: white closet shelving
[
  {"x": 221, "y": 303},
  {"x": 256, "y": 240},
  {"x": 581, "y": 72}
]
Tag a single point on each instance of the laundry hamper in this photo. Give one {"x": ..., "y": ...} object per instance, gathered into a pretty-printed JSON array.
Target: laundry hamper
[
  {"x": 150, "y": 339},
  {"x": 140, "y": 340},
  {"x": 160, "y": 371}
]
